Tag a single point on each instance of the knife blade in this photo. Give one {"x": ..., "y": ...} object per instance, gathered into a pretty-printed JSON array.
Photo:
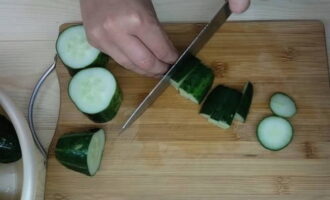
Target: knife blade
[{"x": 197, "y": 44}]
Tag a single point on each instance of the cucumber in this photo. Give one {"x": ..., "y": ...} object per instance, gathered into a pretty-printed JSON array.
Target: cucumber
[
  {"x": 95, "y": 92},
  {"x": 226, "y": 107},
  {"x": 81, "y": 151},
  {"x": 75, "y": 51},
  {"x": 282, "y": 105},
  {"x": 245, "y": 103},
  {"x": 197, "y": 83},
  {"x": 184, "y": 68},
  {"x": 212, "y": 101},
  {"x": 10, "y": 150},
  {"x": 274, "y": 133}
]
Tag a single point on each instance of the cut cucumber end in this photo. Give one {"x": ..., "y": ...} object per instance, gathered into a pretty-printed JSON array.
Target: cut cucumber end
[
  {"x": 282, "y": 105},
  {"x": 205, "y": 115},
  {"x": 188, "y": 96},
  {"x": 183, "y": 69},
  {"x": 92, "y": 89},
  {"x": 274, "y": 133},
  {"x": 220, "y": 124},
  {"x": 95, "y": 151},
  {"x": 95, "y": 93},
  {"x": 239, "y": 118},
  {"x": 174, "y": 84},
  {"x": 73, "y": 48},
  {"x": 245, "y": 103},
  {"x": 197, "y": 84},
  {"x": 81, "y": 151}
]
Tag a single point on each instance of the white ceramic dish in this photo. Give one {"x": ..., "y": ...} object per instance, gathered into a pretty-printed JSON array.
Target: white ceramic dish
[{"x": 24, "y": 179}]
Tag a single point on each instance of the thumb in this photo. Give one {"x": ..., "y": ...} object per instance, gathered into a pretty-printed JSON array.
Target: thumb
[{"x": 238, "y": 6}]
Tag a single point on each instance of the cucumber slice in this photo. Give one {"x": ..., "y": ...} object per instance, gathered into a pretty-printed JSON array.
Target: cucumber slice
[
  {"x": 81, "y": 152},
  {"x": 95, "y": 93},
  {"x": 282, "y": 105},
  {"x": 212, "y": 101},
  {"x": 75, "y": 51},
  {"x": 184, "y": 68},
  {"x": 245, "y": 103},
  {"x": 10, "y": 150},
  {"x": 197, "y": 84},
  {"x": 226, "y": 107},
  {"x": 274, "y": 133}
]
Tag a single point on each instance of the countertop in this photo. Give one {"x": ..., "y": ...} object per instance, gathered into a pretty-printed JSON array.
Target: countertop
[{"x": 29, "y": 29}]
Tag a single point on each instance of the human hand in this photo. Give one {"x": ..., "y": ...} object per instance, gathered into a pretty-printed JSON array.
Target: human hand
[
  {"x": 239, "y": 6},
  {"x": 130, "y": 33}
]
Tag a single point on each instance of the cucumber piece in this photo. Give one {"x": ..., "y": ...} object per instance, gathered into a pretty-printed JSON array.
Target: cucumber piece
[
  {"x": 226, "y": 107},
  {"x": 212, "y": 101},
  {"x": 81, "y": 152},
  {"x": 282, "y": 105},
  {"x": 10, "y": 150},
  {"x": 274, "y": 133},
  {"x": 75, "y": 51},
  {"x": 245, "y": 103},
  {"x": 197, "y": 84},
  {"x": 184, "y": 68},
  {"x": 95, "y": 92}
]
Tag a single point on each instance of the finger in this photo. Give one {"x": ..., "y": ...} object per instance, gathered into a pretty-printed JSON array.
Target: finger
[
  {"x": 238, "y": 6},
  {"x": 141, "y": 56},
  {"x": 116, "y": 54},
  {"x": 158, "y": 43}
]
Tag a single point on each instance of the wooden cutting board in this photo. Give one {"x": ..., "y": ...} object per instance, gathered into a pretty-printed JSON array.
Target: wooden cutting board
[{"x": 173, "y": 153}]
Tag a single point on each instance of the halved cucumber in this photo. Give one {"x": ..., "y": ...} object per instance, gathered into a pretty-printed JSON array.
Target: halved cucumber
[
  {"x": 245, "y": 103},
  {"x": 197, "y": 84},
  {"x": 75, "y": 51},
  {"x": 184, "y": 68},
  {"x": 274, "y": 133},
  {"x": 95, "y": 92},
  {"x": 10, "y": 150},
  {"x": 81, "y": 152},
  {"x": 282, "y": 105}
]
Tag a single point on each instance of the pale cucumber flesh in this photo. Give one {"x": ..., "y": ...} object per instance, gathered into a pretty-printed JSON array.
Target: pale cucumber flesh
[
  {"x": 73, "y": 48},
  {"x": 95, "y": 150},
  {"x": 95, "y": 92},
  {"x": 274, "y": 133},
  {"x": 282, "y": 105}
]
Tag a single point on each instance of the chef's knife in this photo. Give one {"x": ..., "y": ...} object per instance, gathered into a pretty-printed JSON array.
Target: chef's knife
[{"x": 194, "y": 47}]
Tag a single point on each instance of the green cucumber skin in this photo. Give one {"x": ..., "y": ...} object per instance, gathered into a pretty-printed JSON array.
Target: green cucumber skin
[
  {"x": 210, "y": 104},
  {"x": 72, "y": 148},
  {"x": 288, "y": 97},
  {"x": 222, "y": 98},
  {"x": 198, "y": 82},
  {"x": 246, "y": 100},
  {"x": 185, "y": 67},
  {"x": 101, "y": 61},
  {"x": 260, "y": 142},
  {"x": 111, "y": 111},
  {"x": 10, "y": 150},
  {"x": 226, "y": 111}
]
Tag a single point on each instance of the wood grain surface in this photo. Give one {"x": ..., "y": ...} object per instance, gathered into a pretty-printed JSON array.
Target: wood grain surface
[
  {"x": 173, "y": 153},
  {"x": 37, "y": 29}
]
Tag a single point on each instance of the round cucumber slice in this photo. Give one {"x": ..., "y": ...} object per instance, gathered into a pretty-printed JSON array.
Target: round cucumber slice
[
  {"x": 282, "y": 105},
  {"x": 73, "y": 48},
  {"x": 95, "y": 92},
  {"x": 274, "y": 133}
]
